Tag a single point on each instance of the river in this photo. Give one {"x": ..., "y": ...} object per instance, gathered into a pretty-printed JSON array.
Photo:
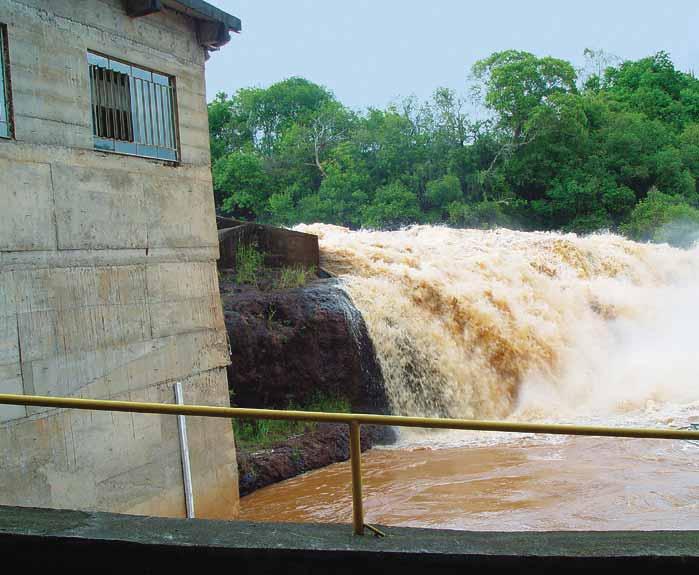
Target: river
[{"x": 522, "y": 326}]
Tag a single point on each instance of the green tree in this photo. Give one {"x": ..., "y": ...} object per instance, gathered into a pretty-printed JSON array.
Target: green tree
[
  {"x": 441, "y": 193},
  {"x": 663, "y": 218},
  {"x": 345, "y": 188},
  {"x": 269, "y": 112},
  {"x": 573, "y": 205},
  {"x": 654, "y": 87},
  {"x": 393, "y": 206},
  {"x": 484, "y": 215},
  {"x": 241, "y": 185},
  {"x": 282, "y": 208},
  {"x": 549, "y": 156},
  {"x": 516, "y": 83},
  {"x": 689, "y": 150},
  {"x": 227, "y": 129}
]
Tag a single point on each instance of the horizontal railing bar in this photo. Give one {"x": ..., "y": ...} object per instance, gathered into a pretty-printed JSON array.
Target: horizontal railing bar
[{"x": 362, "y": 418}]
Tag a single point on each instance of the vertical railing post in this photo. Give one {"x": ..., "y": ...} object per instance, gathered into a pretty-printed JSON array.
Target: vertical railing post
[
  {"x": 356, "y": 463},
  {"x": 184, "y": 453}
]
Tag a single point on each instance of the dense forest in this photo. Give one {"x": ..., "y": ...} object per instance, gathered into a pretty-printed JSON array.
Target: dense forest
[{"x": 535, "y": 144}]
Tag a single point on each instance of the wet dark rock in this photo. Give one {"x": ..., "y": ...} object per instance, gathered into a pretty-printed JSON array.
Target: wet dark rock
[
  {"x": 327, "y": 444},
  {"x": 288, "y": 347}
]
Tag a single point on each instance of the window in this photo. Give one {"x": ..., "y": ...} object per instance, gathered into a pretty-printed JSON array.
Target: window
[
  {"x": 5, "y": 128},
  {"x": 133, "y": 109}
]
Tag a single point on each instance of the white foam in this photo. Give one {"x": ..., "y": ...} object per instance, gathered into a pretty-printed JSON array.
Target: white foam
[{"x": 529, "y": 326}]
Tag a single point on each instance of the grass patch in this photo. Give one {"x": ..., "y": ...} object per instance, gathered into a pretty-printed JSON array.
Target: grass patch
[
  {"x": 249, "y": 261},
  {"x": 320, "y": 402},
  {"x": 263, "y": 433},
  {"x": 295, "y": 276},
  {"x": 250, "y": 269}
]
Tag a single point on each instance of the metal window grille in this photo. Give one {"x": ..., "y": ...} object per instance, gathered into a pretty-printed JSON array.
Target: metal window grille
[
  {"x": 4, "y": 96},
  {"x": 133, "y": 110}
]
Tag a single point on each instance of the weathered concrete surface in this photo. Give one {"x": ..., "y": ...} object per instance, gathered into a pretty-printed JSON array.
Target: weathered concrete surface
[
  {"x": 282, "y": 247},
  {"x": 108, "y": 281},
  {"x": 114, "y": 543},
  {"x": 123, "y": 462}
]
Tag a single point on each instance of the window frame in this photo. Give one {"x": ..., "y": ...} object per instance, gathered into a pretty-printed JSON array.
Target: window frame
[
  {"x": 6, "y": 125},
  {"x": 144, "y": 107}
]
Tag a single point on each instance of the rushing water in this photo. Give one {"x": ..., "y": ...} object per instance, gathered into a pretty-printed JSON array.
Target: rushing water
[{"x": 522, "y": 326}]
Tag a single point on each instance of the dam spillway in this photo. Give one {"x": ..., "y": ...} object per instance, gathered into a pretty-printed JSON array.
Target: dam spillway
[{"x": 524, "y": 326}]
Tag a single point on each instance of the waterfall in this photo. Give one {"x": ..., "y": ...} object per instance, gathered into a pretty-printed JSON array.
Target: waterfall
[{"x": 491, "y": 324}]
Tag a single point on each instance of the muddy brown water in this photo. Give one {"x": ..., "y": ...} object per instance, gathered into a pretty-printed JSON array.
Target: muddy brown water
[
  {"x": 530, "y": 327},
  {"x": 566, "y": 484}
]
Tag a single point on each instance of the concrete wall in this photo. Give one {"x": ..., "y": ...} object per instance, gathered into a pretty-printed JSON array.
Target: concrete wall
[
  {"x": 108, "y": 282},
  {"x": 48, "y": 540},
  {"x": 281, "y": 247}
]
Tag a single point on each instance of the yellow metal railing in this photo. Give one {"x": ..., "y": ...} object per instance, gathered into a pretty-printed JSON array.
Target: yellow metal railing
[{"x": 354, "y": 420}]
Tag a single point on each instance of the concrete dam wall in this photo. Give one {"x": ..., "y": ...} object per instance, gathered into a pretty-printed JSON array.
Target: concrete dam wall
[{"x": 108, "y": 282}]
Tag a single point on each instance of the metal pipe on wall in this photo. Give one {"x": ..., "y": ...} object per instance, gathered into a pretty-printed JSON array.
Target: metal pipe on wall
[{"x": 184, "y": 452}]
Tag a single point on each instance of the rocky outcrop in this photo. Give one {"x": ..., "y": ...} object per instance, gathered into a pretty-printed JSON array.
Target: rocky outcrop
[
  {"x": 287, "y": 348},
  {"x": 328, "y": 443},
  {"x": 289, "y": 345}
]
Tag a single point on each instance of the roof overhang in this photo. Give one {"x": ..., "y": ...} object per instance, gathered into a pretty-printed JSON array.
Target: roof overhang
[{"x": 213, "y": 25}]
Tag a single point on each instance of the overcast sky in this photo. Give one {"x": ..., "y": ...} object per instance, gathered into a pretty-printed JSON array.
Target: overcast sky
[{"x": 370, "y": 52}]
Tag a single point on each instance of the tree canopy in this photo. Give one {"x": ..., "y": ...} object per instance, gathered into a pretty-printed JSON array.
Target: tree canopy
[{"x": 616, "y": 148}]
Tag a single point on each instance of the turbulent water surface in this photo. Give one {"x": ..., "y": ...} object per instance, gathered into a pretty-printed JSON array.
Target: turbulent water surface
[{"x": 521, "y": 326}]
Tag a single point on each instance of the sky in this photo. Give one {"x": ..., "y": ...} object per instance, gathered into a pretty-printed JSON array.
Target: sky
[{"x": 373, "y": 52}]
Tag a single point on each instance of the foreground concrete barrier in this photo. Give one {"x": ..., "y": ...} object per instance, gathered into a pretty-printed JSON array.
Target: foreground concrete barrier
[{"x": 102, "y": 542}]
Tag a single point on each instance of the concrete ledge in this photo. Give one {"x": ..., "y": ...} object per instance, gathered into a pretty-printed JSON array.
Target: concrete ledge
[
  {"x": 103, "y": 542},
  {"x": 281, "y": 246}
]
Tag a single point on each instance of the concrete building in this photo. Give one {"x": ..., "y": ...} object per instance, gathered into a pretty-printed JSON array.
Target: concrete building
[{"x": 108, "y": 248}]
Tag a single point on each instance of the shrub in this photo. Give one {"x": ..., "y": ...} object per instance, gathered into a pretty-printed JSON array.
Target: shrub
[
  {"x": 443, "y": 191},
  {"x": 589, "y": 223},
  {"x": 663, "y": 218},
  {"x": 393, "y": 206},
  {"x": 484, "y": 215},
  {"x": 295, "y": 276},
  {"x": 248, "y": 262},
  {"x": 264, "y": 433}
]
